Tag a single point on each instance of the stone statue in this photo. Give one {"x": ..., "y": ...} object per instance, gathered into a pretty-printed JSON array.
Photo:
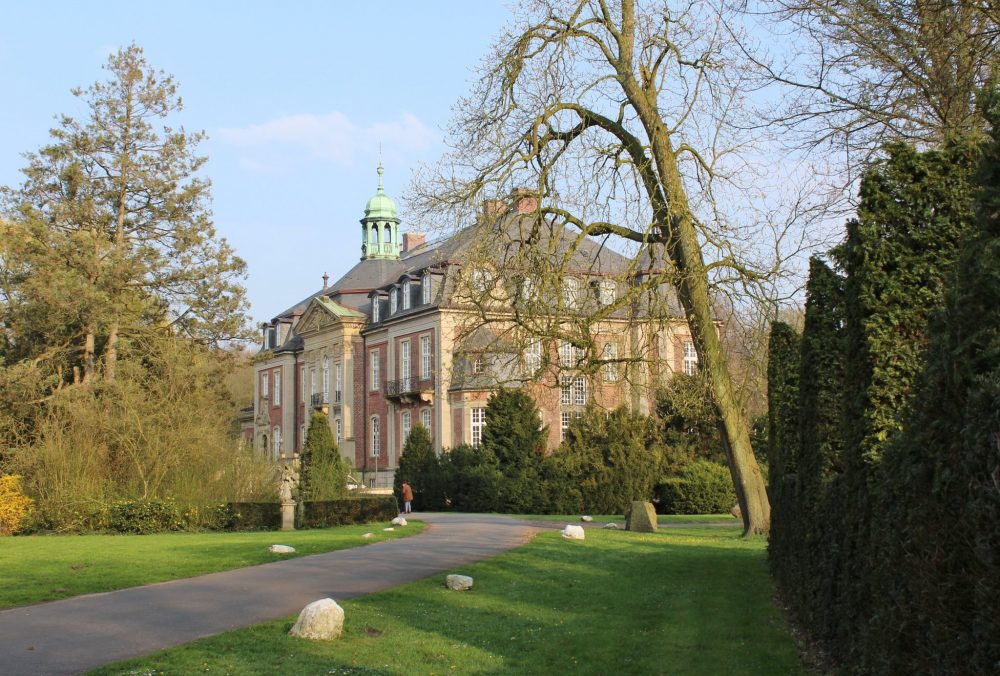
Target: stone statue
[{"x": 289, "y": 481}]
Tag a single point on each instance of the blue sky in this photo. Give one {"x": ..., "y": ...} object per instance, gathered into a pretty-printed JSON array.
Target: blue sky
[{"x": 295, "y": 98}]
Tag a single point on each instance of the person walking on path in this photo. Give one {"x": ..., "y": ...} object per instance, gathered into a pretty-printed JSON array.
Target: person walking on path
[{"x": 407, "y": 498}]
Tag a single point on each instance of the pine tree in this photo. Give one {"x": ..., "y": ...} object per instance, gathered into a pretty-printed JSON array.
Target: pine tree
[
  {"x": 110, "y": 235},
  {"x": 420, "y": 467},
  {"x": 515, "y": 436}
]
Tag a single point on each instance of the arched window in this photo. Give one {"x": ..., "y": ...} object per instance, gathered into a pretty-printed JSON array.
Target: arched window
[
  {"x": 405, "y": 424},
  {"x": 388, "y": 234},
  {"x": 376, "y": 437}
]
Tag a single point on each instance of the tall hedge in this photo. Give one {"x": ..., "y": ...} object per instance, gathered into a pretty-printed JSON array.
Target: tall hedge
[
  {"x": 783, "y": 350},
  {"x": 420, "y": 466},
  {"x": 892, "y": 562}
]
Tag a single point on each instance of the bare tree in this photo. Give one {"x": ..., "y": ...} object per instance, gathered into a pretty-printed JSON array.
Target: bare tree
[
  {"x": 860, "y": 73},
  {"x": 627, "y": 123}
]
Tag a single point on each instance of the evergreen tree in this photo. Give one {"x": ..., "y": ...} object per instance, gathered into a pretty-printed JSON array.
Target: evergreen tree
[
  {"x": 419, "y": 465},
  {"x": 690, "y": 421},
  {"x": 323, "y": 473},
  {"x": 110, "y": 235},
  {"x": 515, "y": 436}
]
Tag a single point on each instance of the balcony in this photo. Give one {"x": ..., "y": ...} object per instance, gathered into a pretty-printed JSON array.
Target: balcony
[
  {"x": 411, "y": 390},
  {"x": 321, "y": 399}
]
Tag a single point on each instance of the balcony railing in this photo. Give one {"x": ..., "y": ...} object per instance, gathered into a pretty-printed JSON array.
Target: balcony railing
[
  {"x": 323, "y": 398},
  {"x": 420, "y": 388}
]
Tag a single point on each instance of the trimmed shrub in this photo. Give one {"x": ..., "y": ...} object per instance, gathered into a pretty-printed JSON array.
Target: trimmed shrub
[
  {"x": 324, "y": 471},
  {"x": 347, "y": 511},
  {"x": 15, "y": 506},
  {"x": 250, "y": 516},
  {"x": 144, "y": 516},
  {"x": 703, "y": 487}
]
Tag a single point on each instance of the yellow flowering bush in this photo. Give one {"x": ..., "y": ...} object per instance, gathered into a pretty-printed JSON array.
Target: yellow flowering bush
[{"x": 14, "y": 504}]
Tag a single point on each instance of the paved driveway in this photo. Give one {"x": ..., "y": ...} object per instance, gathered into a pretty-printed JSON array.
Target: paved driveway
[{"x": 81, "y": 633}]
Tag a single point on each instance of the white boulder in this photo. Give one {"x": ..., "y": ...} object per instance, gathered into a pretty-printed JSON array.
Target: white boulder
[
  {"x": 281, "y": 549},
  {"x": 458, "y": 582},
  {"x": 398, "y": 521},
  {"x": 586, "y": 519},
  {"x": 612, "y": 526},
  {"x": 573, "y": 532},
  {"x": 388, "y": 529},
  {"x": 321, "y": 621}
]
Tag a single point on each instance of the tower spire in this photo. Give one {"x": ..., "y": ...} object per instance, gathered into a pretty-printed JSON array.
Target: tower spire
[{"x": 380, "y": 226}]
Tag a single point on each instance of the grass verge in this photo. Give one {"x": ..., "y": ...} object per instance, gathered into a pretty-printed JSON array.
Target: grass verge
[
  {"x": 691, "y": 601},
  {"x": 51, "y": 567}
]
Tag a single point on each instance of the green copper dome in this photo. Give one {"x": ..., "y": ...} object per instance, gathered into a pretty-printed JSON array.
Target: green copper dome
[{"x": 381, "y": 207}]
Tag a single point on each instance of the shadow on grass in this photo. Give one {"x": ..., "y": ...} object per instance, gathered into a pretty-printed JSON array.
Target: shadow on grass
[{"x": 682, "y": 603}]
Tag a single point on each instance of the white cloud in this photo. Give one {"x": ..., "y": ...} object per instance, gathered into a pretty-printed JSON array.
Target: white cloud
[{"x": 333, "y": 136}]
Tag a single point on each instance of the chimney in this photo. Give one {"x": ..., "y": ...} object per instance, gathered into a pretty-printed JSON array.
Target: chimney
[
  {"x": 411, "y": 240},
  {"x": 525, "y": 200},
  {"x": 493, "y": 208}
]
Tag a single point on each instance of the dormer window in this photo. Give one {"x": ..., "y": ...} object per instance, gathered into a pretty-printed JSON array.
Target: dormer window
[
  {"x": 376, "y": 318},
  {"x": 406, "y": 295},
  {"x": 393, "y": 302},
  {"x": 529, "y": 291},
  {"x": 606, "y": 291},
  {"x": 425, "y": 288},
  {"x": 571, "y": 291},
  {"x": 481, "y": 280}
]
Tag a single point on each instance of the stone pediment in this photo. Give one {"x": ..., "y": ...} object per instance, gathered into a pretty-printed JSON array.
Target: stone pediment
[{"x": 323, "y": 313}]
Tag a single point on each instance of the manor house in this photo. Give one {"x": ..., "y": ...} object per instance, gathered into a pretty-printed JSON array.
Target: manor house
[{"x": 401, "y": 339}]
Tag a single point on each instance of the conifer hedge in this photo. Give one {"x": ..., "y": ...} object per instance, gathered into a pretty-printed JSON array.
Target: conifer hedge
[{"x": 891, "y": 558}]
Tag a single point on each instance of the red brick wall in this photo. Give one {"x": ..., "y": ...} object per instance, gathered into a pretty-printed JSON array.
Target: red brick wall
[{"x": 376, "y": 405}]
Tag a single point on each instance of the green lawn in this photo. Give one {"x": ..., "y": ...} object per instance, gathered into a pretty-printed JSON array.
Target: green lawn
[
  {"x": 50, "y": 567},
  {"x": 691, "y": 601}
]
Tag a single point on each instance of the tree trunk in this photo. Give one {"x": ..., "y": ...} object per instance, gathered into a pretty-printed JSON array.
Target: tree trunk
[
  {"x": 111, "y": 353},
  {"x": 671, "y": 209}
]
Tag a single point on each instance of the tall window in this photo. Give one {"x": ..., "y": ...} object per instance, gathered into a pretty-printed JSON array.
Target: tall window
[
  {"x": 425, "y": 288},
  {"x": 690, "y": 359},
  {"x": 265, "y": 385},
  {"x": 405, "y": 423},
  {"x": 478, "y": 422},
  {"x": 276, "y": 400},
  {"x": 569, "y": 355},
  {"x": 529, "y": 291},
  {"x": 404, "y": 364},
  {"x": 425, "y": 419},
  {"x": 326, "y": 379},
  {"x": 425, "y": 356},
  {"x": 302, "y": 383},
  {"x": 302, "y": 436},
  {"x": 571, "y": 291},
  {"x": 375, "y": 371},
  {"x": 338, "y": 371},
  {"x": 312, "y": 381},
  {"x": 393, "y": 301},
  {"x": 533, "y": 357},
  {"x": 566, "y": 417},
  {"x": 276, "y": 437},
  {"x": 611, "y": 368},
  {"x": 478, "y": 364},
  {"x": 376, "y": 314},
  {"x": 376, "y": 437},
  {"x": 606, "y": 291},
  {"x": 406, "y": 294},
  {"x": 580, "y": 390},
  {"x": 339, "y": 426},
  {"x": 566, "y": 387}
]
